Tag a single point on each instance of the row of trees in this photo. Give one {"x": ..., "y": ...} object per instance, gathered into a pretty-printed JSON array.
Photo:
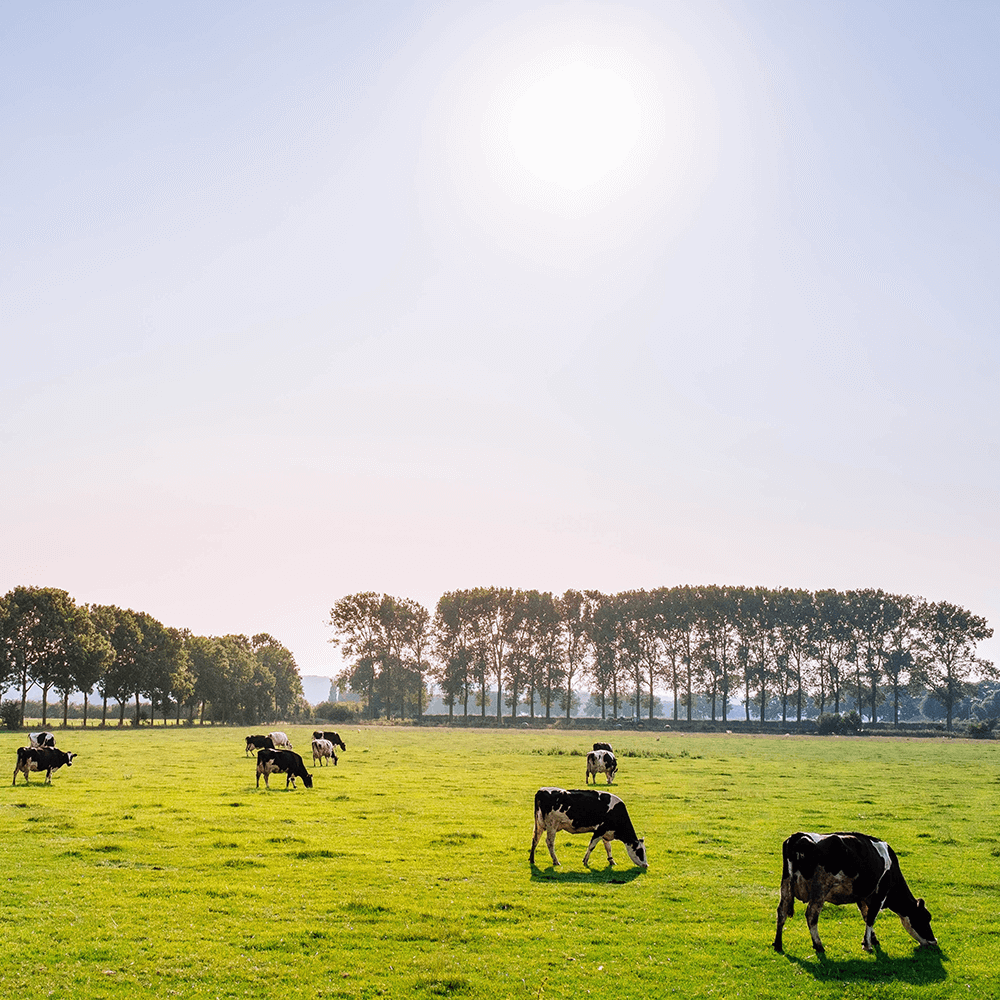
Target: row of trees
[
  {"x": 748, "y": 646},
  {"x": 49, "y": 641}
]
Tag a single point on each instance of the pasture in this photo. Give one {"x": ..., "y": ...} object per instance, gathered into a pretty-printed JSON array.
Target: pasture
[{"x": 154, "y": 866}]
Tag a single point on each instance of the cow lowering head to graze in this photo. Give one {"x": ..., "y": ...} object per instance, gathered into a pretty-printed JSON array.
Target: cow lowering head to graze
[
  {"x": 259, "y": 743},
  {"x": 45, "y": 759},
  {"x": 323, "y": 749},
  {"x": 601, "y": 762},
  {"x": 585, "y": 810},
  {"x": 286, "y": 762},
  {"x": 280, "y": 740},
  {"x": 604, "y": 746},
  {"x": 334, "y": 738},
  {"x": 42, "y": 739},
  {"x": 847, "y": 868}
]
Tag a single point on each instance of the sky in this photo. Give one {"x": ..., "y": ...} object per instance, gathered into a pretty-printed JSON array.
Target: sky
[{"x": 305, "y": 299}]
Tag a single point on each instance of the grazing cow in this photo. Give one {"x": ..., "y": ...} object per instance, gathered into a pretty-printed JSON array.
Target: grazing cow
[
  {"x": 604, "y": 746},
  {"x": 847, "y": 868},
  {"x": 45, "y": 759},
  {"x": 334, "y": 738},
  {"x": 280, "y": 740},
  {"x": 286, "y": 762},
  {"x": 601, "y": 762},
  {"x": 321, "y": 749},
  {"x": 586, "y": 811},
  {"x": 42, "y": 739},
  {"x": 259, "y": 743}
]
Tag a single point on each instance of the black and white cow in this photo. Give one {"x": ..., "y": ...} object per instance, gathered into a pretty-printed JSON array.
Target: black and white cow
[
  {"x": 280, "y": 740},
  {"x": 323, "y": 749},
  {"x": 286, "y": 762},
  {"x": 847, "y": 868},
  {"x": 42, "y": 739},
  {"x": 259, "y": 743},
  {"x": 45, "y": 759},
  {"x": 585, "y": 811},
  {"x": 334, "y": 738},
  {"x": 604, "y": 746},
  {"x": 601, "y": 762}
]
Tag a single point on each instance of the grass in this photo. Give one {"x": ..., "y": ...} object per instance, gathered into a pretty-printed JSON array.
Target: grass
[{"x": 154, "y": 864}]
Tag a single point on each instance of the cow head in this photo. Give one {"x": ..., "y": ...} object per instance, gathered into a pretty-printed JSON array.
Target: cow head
[
  {"x": 69, "y": 758},
  {"x": 307, "y": 779},
  {"x": 638, "y": 853},
  {"x": 918, "y": 925}
]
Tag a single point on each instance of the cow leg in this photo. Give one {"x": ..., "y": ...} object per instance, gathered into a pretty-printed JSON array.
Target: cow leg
[
  {"x": 550, "y": 840},
  {"x": 597, "y": 838},
  {"x": 869, "y": 911},
  {"x": 607, "y": 847},
  {"x": 786, "y": 909},
  {"x": 534, "y": 843},
  {"x": 813, "y": 910},
  {"x": 48, "y": 776}
]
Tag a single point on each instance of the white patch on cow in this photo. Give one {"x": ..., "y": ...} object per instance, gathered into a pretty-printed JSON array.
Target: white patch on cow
[{"x": 883, "y": 849}]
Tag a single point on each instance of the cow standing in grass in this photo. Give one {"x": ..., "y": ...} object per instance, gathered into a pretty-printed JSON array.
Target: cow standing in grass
[
  {"x": 286, "y": 762},
  {"x": 258, "y": 743},
  {"x": 585, "y": 810},
  {"x": 601, "y": 762},
  {"x": 323, "y": 750},
  {"x": 334, "y": 738},
  {"x": 45, "y": 759},
  {"x": 847, "y": 868}
]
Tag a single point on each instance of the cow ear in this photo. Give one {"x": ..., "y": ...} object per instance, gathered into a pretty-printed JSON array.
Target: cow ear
[{"x": 921, "y": 905}]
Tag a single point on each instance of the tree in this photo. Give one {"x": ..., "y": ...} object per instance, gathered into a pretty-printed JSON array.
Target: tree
[
  {"x": 389, "y": 638},
  {"x": 453, "y": 645},
  {"x": 358, "y": 624},
  {"x": 604, "y": 638},
  {"x": 161, "y": 657},
  {"x": 45, "y": 639},
  {"x": 120, "y": 628},
  {"x": 207, "y": 659},
  {"x": 574, "y": 609},
  {"x": 87, "y": 657},
  {"x": 952, "y": 634},
  {"x": 279, "y": 663},
  {"x": 834, "y": 641}
]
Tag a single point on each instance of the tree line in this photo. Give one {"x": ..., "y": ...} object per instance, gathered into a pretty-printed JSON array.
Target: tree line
[
  {"x": 722, "y": 645},
  {"x": 49, "y": 641}
]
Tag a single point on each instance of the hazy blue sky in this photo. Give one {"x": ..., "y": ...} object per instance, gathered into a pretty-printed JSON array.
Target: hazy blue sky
[{"x": 304, "y": 299}]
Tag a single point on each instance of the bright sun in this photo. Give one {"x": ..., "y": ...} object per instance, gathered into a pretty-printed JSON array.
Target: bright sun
[{"x": 575, "y": 125}]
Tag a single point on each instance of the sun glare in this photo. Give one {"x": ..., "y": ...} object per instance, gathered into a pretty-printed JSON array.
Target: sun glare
[{"x": 575, "y": 124}]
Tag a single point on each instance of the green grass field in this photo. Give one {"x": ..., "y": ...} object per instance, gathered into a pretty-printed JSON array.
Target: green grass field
[{"x": 153, "y": 866}]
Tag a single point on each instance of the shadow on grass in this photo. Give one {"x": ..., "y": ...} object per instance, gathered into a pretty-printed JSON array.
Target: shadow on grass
[
  {"x": 925, "y": 965},
  {"x": 609, "y": 875}
]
